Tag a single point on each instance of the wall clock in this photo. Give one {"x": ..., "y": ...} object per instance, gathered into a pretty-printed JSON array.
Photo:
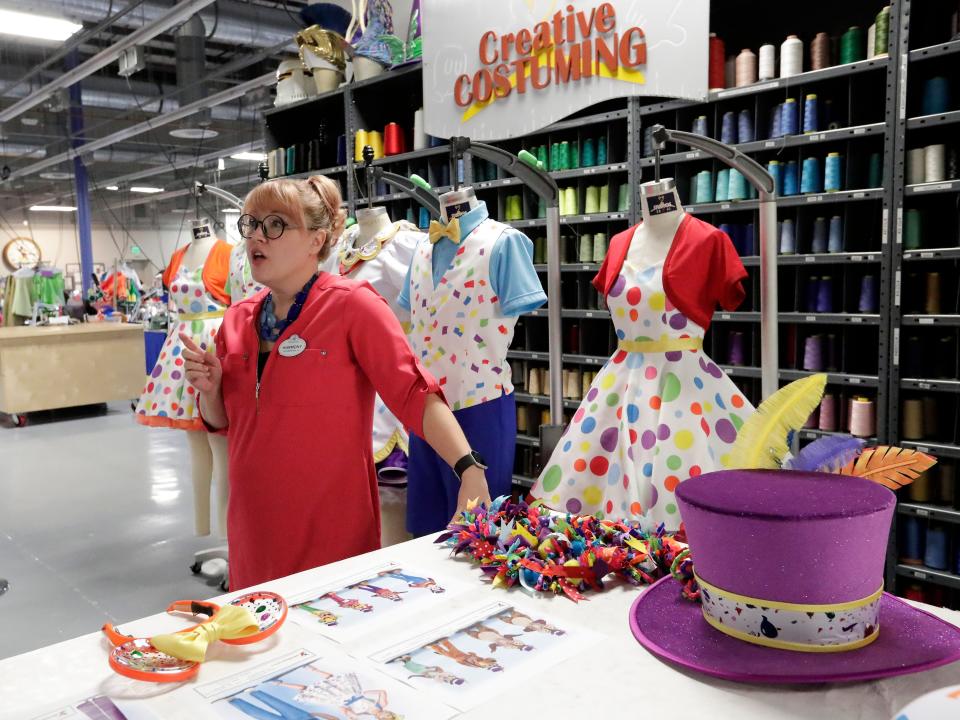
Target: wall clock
[{"x": 20, "y": 252}]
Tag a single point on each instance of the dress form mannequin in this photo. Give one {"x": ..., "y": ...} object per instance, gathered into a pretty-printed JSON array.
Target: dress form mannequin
[
  {"x": 457, "y": 202},
  {"x": 371, "y": 221},
  {"x": 662, "y": 214}
]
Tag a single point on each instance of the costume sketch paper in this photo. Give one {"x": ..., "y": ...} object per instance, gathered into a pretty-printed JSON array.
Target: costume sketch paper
[{"x": 100, "y": 707}]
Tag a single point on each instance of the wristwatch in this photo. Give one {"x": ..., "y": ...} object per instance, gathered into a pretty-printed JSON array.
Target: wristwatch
[{"x": 469, "y": 460}]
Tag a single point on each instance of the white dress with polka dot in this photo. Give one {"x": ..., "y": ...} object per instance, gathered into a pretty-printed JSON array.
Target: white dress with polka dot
[
  {"x": 168, "y": 400},
  {"x": 650, "y": 419}
]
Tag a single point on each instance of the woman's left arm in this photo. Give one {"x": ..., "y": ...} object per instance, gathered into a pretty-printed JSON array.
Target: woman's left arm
[{"x": 412, "y": 394}]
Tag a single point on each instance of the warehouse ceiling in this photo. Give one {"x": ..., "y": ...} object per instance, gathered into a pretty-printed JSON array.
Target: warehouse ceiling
[{"x": 235, "y": 45}]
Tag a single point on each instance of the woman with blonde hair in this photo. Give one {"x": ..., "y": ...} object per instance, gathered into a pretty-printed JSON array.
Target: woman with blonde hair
[{"x": 292, "y": 379}]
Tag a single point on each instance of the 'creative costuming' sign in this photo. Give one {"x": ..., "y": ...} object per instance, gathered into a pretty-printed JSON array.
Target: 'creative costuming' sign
[{"x": 494, "y": 69}]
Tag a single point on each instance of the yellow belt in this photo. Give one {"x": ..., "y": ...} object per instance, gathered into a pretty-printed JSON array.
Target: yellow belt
[
  {"x": 666, "y": 345},
  {"x": 203, "y": 316}
]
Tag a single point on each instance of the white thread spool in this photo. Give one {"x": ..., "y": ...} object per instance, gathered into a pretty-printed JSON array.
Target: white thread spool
[
  {"x": 916, "y": 166},
  {"x": 419, "y": 134},
  {"x": 934, "y": 162},
  {"x": 746, "y": 69},
  {"x": 791, "y": 56},
  {"x": 871, "y": 40},
  {"x": 863, "y": 417},
  {"x": 767, "y": 64}
]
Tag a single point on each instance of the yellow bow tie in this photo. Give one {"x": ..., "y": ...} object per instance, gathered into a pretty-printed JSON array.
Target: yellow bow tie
[
  {"x": 229, "y": 623},
  {"x": 451, "y": 230}
]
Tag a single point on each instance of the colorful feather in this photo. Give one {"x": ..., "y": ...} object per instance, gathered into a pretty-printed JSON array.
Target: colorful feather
[
  {"x": 827, "y": 454},
  {"x": 762, "y": 441},
  {"x": 892, "y": 467}
]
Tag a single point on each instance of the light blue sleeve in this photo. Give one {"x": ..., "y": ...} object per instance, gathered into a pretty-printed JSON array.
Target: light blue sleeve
[
  {"x": 403, "y": 300},
  {"x": 512, "y": 274}
]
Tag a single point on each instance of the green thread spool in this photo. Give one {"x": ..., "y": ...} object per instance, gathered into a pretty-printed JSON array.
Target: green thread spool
[
  {"x": 604, "y": 198},
  {"x": 852, "y": 46},
  {"x": 913, "y": 230},
  {"x": 593, "y": 200},
  {"x": 541, "y": 208},
  {"x": 599, "y": 247},
  {"x": 882, "y": 37},
  {"x": 542, "y": 157},
  {"x": 563, "y": 156},
  {"x": 574, "y": 155},
  {"x": 555, "y": 156},
  {"x": 586, "y": 248},
  {"x": 623, "y": 201},
  {"x": 540, "y": 250},
  {"x": 875, "y": 173},
  {"x": 573, "y": 201}
]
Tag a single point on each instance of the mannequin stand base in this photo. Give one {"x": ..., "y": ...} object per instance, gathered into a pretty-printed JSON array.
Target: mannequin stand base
[
  {"x": 4, "y": 586},
  {"x": 204, "y": 556}
]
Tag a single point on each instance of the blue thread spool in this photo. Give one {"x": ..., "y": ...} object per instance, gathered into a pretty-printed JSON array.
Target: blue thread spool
[
  {"x": 810, "y": 178},
  {"x": 813, "y": 289},
  {"x": 791, "y": 178},
  {"x": 700, "y": 126},
  {"x": 589, "y": 154},
  {"x": 835, "y": 243},
  {"x": 728, "y": 128},
  {"x": 810, "y": 115},
  {"x": 745, "y": 132},
  {"x": 788, "y": 238},
  {"x": 748, "y": 242},
  {"x": 819, "y": 242},
  {"x": 776, "y": 116},
  {"x": 704, "y": 192},
  {"x": 738, "y": 186},
  {"x": 694, "y": 188},
  {"x": 825, "y": 295},
  {"x": 731, "y": 231},
  {"x": 602, "y": 151},
  {"x": 789, "y": 122},
  {"x": 936, "y": 95},
  {"x": 833, "y": 175},
  {"x": 868, "y": 295},
  {"x": 723, "y": 185},
  {"x": 775, "y": 168},
  {"x": 410, "y": 216},
  {"x": 936, "y": 553},
  {"x": 424, "y": 219},
  {"x": 911, "y": 530},
  {"x": 341, "y": 150}
]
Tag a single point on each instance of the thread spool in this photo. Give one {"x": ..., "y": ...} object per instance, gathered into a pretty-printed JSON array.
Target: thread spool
[
  {"x": 953, "y": 163},
  {"x": 948, "y": 484},
  {"x": 913, "y": 229},
  {"x": 916, "y": 166},
  {"x": 911, "y": 530},
  {"x": 541, "y": 207},
  {"x": 736, "y": 354},
  {"x": 749, "y": 240},
  {"x": 931, "y": 305},
  {"x": 574, "y": 155},
  {"x": 776, "y": 121},
  {"x": 573, "y": 200},
  {"x": 375, "y": 140},
  {"x": 868, "y": 295},
  {"x": 935, "y": 555},
  {"x": 728, "y": 128},
  {"x": 533, "y": 381},
  {"x": 875, "y": 175},
  {"x": 543, "y": 156},
  {"x": 623, "y": 197},
  {"x": 832, "y": 358},
  {"x": 833, "y": 173},
  {"x": 585, "y": 254},
  {"x": 813, "y": 420},
  {"x": 723, "y": 185},
  {"x": 393, "y": 142},
  {"x": 746, "y": 72},
  {"x": 789, "y": 120},
  {"x": 766, "y": 64},
  {"x": 882, "y": 35},
  {"x": 791, "y": 56},
  {"x": 341, "y": 149},
  {"x": 700, "y": 126},
  {"x": 730, "y": 71},
  {"x": 563, "y": 156},
  {"x": 828, "y": 412},
  {"x": 931, "y": 417},
  {"x": 936, "y": 96},
  {"x": 825, "y": 295},
  {"x": 820, "y": 230},
  {"x": 291, "y": 164},
  {"x": 539, "y": 250},
  {"x": 602, "y": 151},
  {"x": 934, "y": 163},
  {"x": 693, "y": 188},
  {"x": 738, "y": 186},
  {"x": 863, "y": 417},
  {"x": 871, "y": 40},
  {"x": 921, "y": 489},
  {"x": 424, "y": 220},
  {"x": 592, "y": 200},
  {"x": 810, "y": 179},
  {"x": 775, "y": 168},
  {"x": 820, "y": 51},
  {"x": 359, "y": 141},
  {"x": 946, "y": 357},
  {"x": 555, "y": 156},
  {"x": 813, "y": 353},
  {"x": 419, "y": 131},
  {"x": 599, "y": 247},
  {"x": 745, "y": 132},
  {"x": 588, "y": 152},
  {"x": 522, "y": 427},
  {"x": 852, "y": 46},
  {"x": 586, "y": 382},
  {"x": 810, "y": 114},
  {"x": 813, "y": 289},
  {"x": 704, "y": 192},
  {"x": 788, "y": 238},
  {"x": 912, "y": 418},
  {"x": 604, "y": 198},
  {"x": 718, "y": 57},
  {"x": 573, "y": 342}
]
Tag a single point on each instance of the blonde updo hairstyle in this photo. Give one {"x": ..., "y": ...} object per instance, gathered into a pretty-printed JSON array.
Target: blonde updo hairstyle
[{"x": 314, "y": 201}]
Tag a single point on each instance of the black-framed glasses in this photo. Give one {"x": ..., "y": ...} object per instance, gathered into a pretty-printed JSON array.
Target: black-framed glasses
[{"x": 273, "y": 226}]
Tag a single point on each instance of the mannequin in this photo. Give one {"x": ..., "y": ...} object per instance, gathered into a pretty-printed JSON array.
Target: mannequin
[
  {"x": 662, "y": 214},
  {"x": 468, "y": 283}
]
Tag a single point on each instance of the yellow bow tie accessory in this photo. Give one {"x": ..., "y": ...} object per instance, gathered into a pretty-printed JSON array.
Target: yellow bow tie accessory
[
  {"x": 228, "y": 623},
  {"x": 451, "y": 230}
]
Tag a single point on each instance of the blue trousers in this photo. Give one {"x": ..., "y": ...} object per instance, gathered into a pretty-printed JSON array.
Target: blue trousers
[{"x": 432, "y": 488}]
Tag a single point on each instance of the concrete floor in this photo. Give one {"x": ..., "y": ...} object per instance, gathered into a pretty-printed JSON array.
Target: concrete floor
[{"x": 96, "y": 524}]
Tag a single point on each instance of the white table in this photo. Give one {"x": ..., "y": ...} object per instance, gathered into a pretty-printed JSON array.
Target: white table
[{"x": 616, "y": 678}]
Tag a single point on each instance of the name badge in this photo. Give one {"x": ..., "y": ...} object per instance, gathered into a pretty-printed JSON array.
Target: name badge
[{"x": 292, "y": 346}]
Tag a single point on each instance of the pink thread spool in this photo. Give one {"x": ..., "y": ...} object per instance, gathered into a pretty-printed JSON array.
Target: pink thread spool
[
  {"x": 863, "y": 417},
  {"x": 828, "y": 413}
]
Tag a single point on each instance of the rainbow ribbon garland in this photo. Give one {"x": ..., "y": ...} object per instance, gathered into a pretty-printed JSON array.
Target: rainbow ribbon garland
[{"x": 564, "y": 554}]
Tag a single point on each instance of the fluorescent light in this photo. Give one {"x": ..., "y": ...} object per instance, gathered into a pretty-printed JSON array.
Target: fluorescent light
[
  {"x": 52, "y": 208},
  {"x": 112, "y": 187},
  {"x": 231, "y": 211},
  {"x": 252, "y": 156},
  {"x": 221, "y": 165},
  {"x": 36, "y": 26},
  {"x": 147, "y": 190}
]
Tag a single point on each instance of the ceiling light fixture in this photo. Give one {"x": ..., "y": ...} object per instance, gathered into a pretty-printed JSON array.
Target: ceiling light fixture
[
  {"x": 251, "y": 156},
  {"x": 52, "y": 208},
  {"x": 194, "y": 133},
  {"x": 113, "y": 187},
  {"x": 56, "y": 175},
  {"x": 146, "y": 190},
  {"x": 231, "y": 211},
  {"x": 39, "y": 27}
]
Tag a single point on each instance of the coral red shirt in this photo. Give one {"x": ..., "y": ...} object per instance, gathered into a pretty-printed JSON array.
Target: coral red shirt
[
  {"x": 303, "y": 490},
  {"x": 702, "y": 269}
]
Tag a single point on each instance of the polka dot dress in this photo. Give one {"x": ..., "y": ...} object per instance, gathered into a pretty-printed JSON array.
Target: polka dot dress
[
  {"x": 649, "y": 421},
  {"x": 168, "y": 400}
]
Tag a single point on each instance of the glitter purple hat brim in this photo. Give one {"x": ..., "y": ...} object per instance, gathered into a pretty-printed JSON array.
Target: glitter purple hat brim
[{"x": 673, "y": 629}]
